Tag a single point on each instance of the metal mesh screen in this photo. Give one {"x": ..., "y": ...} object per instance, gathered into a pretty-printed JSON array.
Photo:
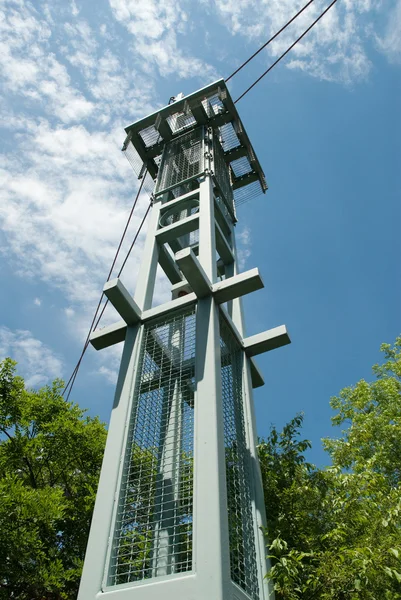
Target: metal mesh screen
[
  {"x": 153, "y": 531},
  {"x": 213, "y": 105},
  {"x": 248, "y": 192},
  {"x": 182, "y": 160},
  {"x": 240, "y": 517},
  {"x": 223, "y": 206},
  {"x": 181, "y": 120},
  {"x": 136, "y": 163},
  {"x": 222, "y": 176},
  {"x": 150, "y": 136},
  {"x": 241, "y": 166},
  {"x": 229, "y": 138}
]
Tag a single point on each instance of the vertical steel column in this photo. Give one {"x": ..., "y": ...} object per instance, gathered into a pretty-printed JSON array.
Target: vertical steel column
[
  {"x": 168, "y": 476},
  {"x": 258, "y": 503},
  {"x": 211, "y": 551},
  {"x": 150, "y": 259},
  {"x": 93, "y": 576}
]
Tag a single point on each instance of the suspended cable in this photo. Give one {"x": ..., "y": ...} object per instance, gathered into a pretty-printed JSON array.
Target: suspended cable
[
  {"x": 95, "y": 322},
  {"x": 286, "y": 52},
  {"x": 269, "y": 41}
]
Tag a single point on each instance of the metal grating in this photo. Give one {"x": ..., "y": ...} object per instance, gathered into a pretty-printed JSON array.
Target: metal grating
[
  {"x": 150, "y": 136},
  {"x": 229, "y": 138},
  {"x": 213, "y": 106},
  {"x": 182, "y": 160},
  {"x": 241, "y": 166},
  {"x": 248, "y": 192},
  {"x": 223, "y": 207},
  {"x": 153, "y": 531},
  {"x": 222, "y": 176},
  {"x": 136, "y": 163},
  {"x": 240, "y": 517},
  {"x": 181, "y": 121}
]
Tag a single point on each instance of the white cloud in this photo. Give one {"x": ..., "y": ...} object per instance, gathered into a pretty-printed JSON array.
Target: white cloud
[
  {"x": 154, "y": 25},
  {"x": 333, "y": 50},
  {"x": 110, "y": 374},
  {"x": 81, "y": 46},
  {"x": 28, "y": 69},
  {"x": 36, "y": 362},
  {"x": 65, "y": 201},
  {"x": 244, "y": 243},
  {"x": 37, "y": 302},
  {"x": 74, "y": 9},
  {"x": 66, "y": 190},
  {"x": 390, "y": 42},
  {"x": 64, "y": 206}
]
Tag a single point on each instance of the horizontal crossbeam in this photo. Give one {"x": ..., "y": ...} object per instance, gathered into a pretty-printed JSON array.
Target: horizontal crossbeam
[
  {"x": 175, "y": 230},
  {"x": 267, "y": 340},
  {"x": 108, "y": 336},
  {"x": 122, "y": 301},
  {"x": 237, "y": 285}
]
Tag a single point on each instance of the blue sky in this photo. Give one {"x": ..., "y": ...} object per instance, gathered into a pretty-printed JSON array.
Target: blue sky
[{"x": 325, "y": 124}]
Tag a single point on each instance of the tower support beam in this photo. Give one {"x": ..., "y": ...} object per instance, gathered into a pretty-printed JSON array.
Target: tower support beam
[{"x": 179, "y": 511}]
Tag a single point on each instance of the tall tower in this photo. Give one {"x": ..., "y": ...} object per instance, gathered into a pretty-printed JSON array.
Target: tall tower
[{"x": 179, "y": 508}]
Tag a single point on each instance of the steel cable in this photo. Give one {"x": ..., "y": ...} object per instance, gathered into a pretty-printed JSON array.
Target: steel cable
[
  {"x": 268, "y": 41},
  {"x": 286, "y": 52},
  {"x": 96, "y": 317}
]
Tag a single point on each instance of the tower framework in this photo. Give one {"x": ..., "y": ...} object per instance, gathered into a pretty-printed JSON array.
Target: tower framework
[{"x": 179, "y": 510}]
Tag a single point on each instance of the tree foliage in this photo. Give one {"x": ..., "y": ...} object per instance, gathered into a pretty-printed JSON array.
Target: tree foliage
[
  {"x": 50, "y": 456},
  {"x": 336, "y": 532}
]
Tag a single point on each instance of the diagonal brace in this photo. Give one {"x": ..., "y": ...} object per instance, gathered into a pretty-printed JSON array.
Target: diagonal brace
[{"x": 193, "y": 272}]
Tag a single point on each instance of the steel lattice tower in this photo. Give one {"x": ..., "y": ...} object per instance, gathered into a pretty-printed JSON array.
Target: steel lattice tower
[{"x": 180, "y": 506}]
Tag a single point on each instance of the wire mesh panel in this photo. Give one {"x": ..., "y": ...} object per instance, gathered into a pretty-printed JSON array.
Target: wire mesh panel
[
  {"x": 153, "y": 531},
  {"x": 136, "y": 163},
  {"x": 248, "y": 192},
  {"x": 222, "y": 175},
  {"x": 240, "y": 517},
  {"x": 182, "y": 160},
  {"x": 229, "y": 138},
  {"x": 180, "y": 121}
]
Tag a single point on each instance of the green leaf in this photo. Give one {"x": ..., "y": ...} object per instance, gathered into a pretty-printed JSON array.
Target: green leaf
[{"x": 395, "y": 552}]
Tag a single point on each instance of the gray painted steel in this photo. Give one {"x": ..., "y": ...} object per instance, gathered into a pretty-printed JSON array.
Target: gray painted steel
[{"x": 180, "y": 506}]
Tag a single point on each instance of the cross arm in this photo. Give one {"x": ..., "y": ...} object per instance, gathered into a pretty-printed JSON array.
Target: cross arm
[
  {"x": 237, "y": 285},
  {"x": 267, "y": 340},
  {"x": 122, "y": 301},
  {"x": 108, "y": 336}
]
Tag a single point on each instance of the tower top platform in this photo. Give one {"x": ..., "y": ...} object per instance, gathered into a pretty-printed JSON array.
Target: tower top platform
[{"x": 211, "y": 106}]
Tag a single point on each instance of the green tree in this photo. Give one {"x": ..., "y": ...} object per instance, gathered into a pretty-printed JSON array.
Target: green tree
[
  {"x": 336, "y": 532},
  {"x": 50, "y": 457}
]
